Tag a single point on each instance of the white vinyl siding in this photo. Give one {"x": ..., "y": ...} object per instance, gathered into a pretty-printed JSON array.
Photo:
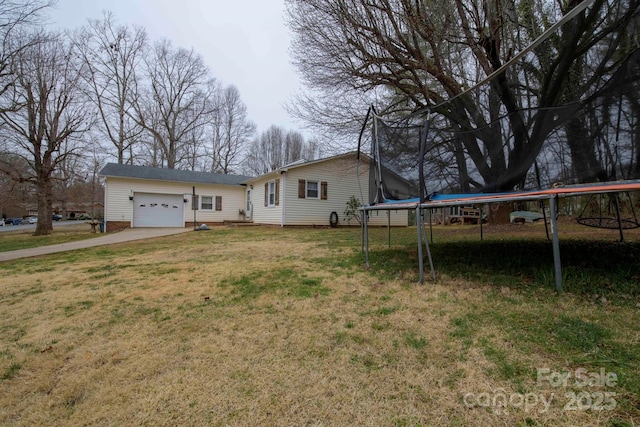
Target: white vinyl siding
[
  {"x": 264, "y": 214},
  {"x": 336, "y": 183},
  {"x": 338, "y": 176}
]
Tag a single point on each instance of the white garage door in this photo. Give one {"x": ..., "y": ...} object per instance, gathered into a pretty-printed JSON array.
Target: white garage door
[{"x": 158, "y": 210}]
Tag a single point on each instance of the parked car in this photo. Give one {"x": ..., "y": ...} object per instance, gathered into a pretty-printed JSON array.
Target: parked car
[
  {"x": 30, "y": 220},
  {"x": 13, "y": 221},
  {"x": 57, "y": 217},
  {"x": 79, "y": 216}
]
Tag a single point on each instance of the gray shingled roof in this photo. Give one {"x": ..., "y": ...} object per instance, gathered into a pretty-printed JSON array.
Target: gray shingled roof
[{"x": 146, "y": 172}]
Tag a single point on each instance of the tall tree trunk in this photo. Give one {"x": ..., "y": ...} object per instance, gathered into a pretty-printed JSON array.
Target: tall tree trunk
[
  {"x": 44, "y": 190},
  {"x": 581, "y": 143}
]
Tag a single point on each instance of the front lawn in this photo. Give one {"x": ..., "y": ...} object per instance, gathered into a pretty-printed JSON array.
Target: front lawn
[
  {"x": 13, "y": 240},
  {"x": 267, "y": 326}
]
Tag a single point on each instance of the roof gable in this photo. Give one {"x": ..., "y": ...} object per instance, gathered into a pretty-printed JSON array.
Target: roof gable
[
  {"x": 160, "y": 174},
  {"x": 305, "y": 163}
]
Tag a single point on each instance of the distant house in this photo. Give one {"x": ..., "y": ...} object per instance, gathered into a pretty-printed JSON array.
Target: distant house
[{"x": 304, "y": 193}]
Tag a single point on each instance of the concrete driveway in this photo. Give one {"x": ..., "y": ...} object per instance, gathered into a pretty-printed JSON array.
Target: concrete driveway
[{"x": 126, "y": 235}]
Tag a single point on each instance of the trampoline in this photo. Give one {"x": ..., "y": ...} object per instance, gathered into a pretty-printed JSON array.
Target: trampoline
[
  {"x": 446, "y": 200},
  {"x": 510, "y": 139}
]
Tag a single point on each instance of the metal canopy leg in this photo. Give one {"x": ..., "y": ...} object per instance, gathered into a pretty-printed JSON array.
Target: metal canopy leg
[
  {"x": 421, "y": 229},
  {"x": 556, "y": 244},
  {"x": 426, "y": 242},
  {"x": 420, "y": 259},
  {"x": 389, "y": 229},
  {"x": 365, "y": 228}
]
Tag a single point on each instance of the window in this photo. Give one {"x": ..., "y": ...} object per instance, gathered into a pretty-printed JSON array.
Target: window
[
  {"x": 206, "y": 203},
  {"x": 312, "y": 189},
  {"x": 272, "y": 193}
]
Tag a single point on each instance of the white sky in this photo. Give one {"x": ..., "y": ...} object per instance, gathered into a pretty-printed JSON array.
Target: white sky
[{"x": 244, "y": 43}]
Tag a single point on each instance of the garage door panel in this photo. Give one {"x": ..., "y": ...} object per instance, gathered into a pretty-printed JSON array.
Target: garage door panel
[{"x": 158, "y": 210}]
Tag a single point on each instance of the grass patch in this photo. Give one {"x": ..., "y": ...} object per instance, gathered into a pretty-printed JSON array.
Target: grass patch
[
  {"x": 11, "y": 371},
  {"x": 575, "y": 334},
  {"x": 24, "y": 238},
  {"x": 415, "y": 341},
  {"x": 283, "y": 281}
]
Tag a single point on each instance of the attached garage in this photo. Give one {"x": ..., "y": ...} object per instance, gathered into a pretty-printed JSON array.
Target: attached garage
[
  {"x": 143, "y": 196},
  {"x": 158, "y": 210}
]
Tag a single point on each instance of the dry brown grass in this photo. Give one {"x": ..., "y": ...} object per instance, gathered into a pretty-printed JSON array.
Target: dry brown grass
[{"x": 263, "y": 327}]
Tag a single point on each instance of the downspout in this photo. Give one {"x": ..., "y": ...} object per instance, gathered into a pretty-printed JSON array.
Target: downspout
[
  {"x": 283, "y": 190},
  {"x": 104, "y": 209}
]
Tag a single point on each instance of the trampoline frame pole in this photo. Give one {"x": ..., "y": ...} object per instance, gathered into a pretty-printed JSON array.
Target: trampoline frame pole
[
  {"x": 365, "y": 228},
  {"x": 555, "y": 244},
  {"x": 419, "y": 226},
  {"x": 389, "y": 229},
  {"x": 426, "y": 242},
  {"x": 422, "y": 229}
]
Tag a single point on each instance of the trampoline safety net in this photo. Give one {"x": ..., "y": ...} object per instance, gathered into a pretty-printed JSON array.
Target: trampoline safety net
[{"x": 538, "y": 121}]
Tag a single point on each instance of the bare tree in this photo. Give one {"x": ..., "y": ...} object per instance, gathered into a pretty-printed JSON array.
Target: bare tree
[
  {"x": 113, "y": 53},
  {"x": 70, "y": 179},
  {"x": 292, "y": 147},
  {"x": 52, "y": 111},
  {"x": 230, "y": 130},
  {"x": 195, "y": 149},
  {"x": 16, "y": 196},
  {"x": 265, "y": 152},
  {"x": 16, "y": 16},
  {"x": 175, "y": 100},
  {"x": 412, "y": 54},
  {"x": 276, "y": 148},
  {"x": 311, "y": 150}
]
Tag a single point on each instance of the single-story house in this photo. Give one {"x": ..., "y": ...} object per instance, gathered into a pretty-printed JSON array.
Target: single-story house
[{"x": 304, "y": 193}]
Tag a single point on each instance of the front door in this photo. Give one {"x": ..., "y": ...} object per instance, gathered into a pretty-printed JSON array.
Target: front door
[{"x": 249, "y": 206}]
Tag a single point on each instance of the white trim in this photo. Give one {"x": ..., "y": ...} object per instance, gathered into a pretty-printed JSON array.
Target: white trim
[
  {"x": 213, "y": 202},
  {"x": 270, "y": 203},
  {"x": 306, "y": 189}
]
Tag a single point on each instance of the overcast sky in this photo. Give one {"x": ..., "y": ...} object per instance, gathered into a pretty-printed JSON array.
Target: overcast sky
[{"x": 244, "y": 42}]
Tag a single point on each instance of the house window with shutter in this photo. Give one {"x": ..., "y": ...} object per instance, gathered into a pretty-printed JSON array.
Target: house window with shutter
[
  {"x": 308, "y": 189},
  {"x": 271, "y": 195},
  {"x": 206, "y": 203},
  {"x": 218, "y": 203},
  {"x": 312, "y": 190}
]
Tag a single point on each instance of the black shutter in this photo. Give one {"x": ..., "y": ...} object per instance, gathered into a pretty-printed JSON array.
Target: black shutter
[
  {"x": 266, "y": 194},
  {"x": 302, "y": 189}
]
